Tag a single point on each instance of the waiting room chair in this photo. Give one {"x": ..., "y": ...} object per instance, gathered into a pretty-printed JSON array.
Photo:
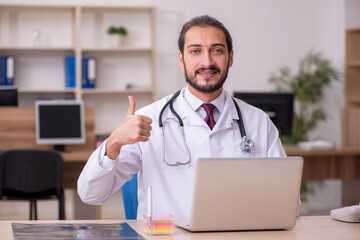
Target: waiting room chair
[
  {"x": 31, "y": 174},
  {"x": 130, "y": 197}
]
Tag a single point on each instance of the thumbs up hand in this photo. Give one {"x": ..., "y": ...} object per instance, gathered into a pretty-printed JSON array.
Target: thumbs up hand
[{"x": 133, "y": 129}]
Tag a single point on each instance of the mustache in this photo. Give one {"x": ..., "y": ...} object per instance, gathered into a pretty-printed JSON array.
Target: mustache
[{"x": 214, "y": 69}]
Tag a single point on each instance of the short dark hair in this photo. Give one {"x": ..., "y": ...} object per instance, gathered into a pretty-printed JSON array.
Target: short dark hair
[{"x": 204, "y": 21}]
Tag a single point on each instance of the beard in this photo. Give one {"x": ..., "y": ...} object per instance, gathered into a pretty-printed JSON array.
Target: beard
[{"x": 206, "y": 88}]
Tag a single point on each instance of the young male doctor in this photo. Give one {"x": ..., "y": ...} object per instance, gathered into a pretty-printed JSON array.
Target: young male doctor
[{"x": 164, "y": 157}]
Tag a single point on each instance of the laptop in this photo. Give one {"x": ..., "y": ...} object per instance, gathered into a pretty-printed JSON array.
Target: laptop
[{"x": 233, "y": 194}]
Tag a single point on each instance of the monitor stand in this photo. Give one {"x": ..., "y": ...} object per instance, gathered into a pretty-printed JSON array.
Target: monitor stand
[{"x": 59, "y": 147}]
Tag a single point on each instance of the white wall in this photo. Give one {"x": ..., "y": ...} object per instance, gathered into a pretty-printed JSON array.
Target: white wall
[
  {"x": 266, "y": 34},
  {"x": 352, "y": 16}
]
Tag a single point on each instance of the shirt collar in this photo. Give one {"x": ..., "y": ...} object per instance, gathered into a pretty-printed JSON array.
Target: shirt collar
[{"x": 195, "y": 102}]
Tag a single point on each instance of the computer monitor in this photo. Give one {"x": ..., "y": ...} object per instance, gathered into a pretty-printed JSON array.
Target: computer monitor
[
  {"x": 60, "y": 122},
  {"x": 8, "y": 96},
  {"x": 279, "y": 107}
]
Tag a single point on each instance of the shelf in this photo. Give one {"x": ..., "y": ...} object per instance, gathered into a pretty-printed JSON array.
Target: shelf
[
  {"x": 120, "y": 91},
  {"x": 42, "y": 49},
  {"x": 352, "y": 74},
  {"x": 139, "y": 21},
  {"x": 351, "y": 30},
  {"x": 118, "y": 8},
  {"x": 29, "y": 8},
  {"x": 45, "y": 26},
  {"x": 353, "y": 64},
  {"x": 102, "y": 133},
  {"x": 46, "y": 90},
  {"x": 120, "y": 49},
  {"x": 352, "y": 49},
  {"x": 353, "y": 100},
  {"x": 349, "y": 117},
  {"x": 40, "y": 37}
]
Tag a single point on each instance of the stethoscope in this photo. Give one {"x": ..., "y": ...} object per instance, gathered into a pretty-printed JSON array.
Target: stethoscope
[{"x": 246, "y": 145}]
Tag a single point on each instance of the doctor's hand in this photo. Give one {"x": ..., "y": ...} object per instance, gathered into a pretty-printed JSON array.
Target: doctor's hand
[{"x": 133, "y": 129}]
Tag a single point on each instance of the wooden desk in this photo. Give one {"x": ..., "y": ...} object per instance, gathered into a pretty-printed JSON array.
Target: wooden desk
[
  {"x": 17, "y": 130},
  {"x": 341, "y": 163},
  {"x": 74, "y": 162},
  {"x": 315, "y": 227}
]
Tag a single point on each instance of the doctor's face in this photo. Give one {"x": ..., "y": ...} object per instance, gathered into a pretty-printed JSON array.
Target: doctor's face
[{"x": 205, "y": 60}]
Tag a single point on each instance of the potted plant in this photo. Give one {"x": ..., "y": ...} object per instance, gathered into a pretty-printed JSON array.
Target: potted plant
[
  {"x": 315, "y": 72},
  {"x": 116, "y": 35}
]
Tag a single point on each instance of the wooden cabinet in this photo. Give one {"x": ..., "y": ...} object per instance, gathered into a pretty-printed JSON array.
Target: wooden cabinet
[
  {"x": 40, "y": 37},
  {"x": 352, "y": 83},
  {"x": 350, "y": 115}
]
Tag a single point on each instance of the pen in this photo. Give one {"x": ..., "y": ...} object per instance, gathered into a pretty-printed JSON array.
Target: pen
[{"x": 150, "y": 209}]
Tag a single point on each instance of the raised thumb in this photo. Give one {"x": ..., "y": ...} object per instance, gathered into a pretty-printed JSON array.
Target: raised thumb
[{"x": 132, "y": 104}]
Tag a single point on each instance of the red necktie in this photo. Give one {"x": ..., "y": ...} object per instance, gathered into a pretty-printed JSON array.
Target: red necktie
[{"x": 209, "y": 119}]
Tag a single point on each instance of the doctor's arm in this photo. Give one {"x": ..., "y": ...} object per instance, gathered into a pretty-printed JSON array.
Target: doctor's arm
[
  {"x": 101, "y": 176},
  {"x": 108, "y": 168},
  {"x": 275, "y": 147}
]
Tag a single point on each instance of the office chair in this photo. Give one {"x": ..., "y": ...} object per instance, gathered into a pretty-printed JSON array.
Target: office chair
[
  {"x": 130, "y": 198},
  {"x": 30, "y": 174}
]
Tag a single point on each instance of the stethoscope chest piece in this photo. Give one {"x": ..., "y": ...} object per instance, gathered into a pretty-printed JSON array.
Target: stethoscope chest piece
[{"x": 246, "y": 145}]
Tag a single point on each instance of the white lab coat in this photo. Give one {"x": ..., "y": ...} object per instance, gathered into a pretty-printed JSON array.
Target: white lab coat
[{"x": 172, "y": 186}]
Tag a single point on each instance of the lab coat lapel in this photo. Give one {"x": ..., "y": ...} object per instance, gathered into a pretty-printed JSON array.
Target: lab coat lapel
[
  {"x": 190, "y": 116},
  {"x": 186, "y": 113},
  {"x": 228, "y": 115}
]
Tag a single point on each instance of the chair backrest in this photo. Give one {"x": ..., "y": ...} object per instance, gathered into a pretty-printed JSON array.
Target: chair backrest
[
  {"x": 130, "y": 197},
  {"x": 30, "y": 170}
]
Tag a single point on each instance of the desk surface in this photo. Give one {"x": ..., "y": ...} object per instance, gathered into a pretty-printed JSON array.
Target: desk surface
[
  {"x": 76, "y": 156},
  {"x": 314, "y": 227}
]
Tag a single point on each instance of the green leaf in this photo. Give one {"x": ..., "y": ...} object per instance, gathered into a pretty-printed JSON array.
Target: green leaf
[
  {"x": 117, "y": 30},
  {"x": 314, "y": 74}
]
